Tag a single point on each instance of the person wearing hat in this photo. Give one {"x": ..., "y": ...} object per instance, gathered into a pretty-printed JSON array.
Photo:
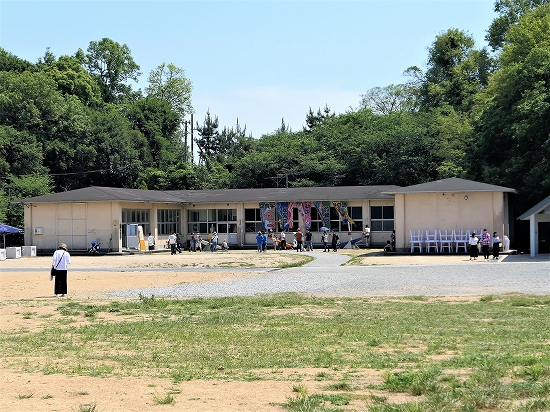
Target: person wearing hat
[{"x": 60, "y": 263}]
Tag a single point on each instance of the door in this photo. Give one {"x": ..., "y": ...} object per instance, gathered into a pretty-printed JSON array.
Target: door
[
  {"x": 544, "y": 237},
  {"x": 132, "y": 237}
]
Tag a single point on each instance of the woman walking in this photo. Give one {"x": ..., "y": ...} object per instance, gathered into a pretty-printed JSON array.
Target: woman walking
[{"x": 60, "y": 262}]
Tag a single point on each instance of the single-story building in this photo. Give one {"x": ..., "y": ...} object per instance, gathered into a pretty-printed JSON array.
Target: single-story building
[
  {"x": 539, "y": 227},
  {"x": 112, "y": 215}
]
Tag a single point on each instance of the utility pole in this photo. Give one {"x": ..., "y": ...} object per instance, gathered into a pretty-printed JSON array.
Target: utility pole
[
  {"x": 192, "y": 154},
  {"x": 280, "y": 176},
  {"x": 185, "y": 140},
  {"x": 185, "y": 131}
]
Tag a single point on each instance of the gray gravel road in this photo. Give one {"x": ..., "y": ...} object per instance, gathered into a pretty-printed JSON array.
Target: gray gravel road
[{"x": 324, "y": 277}]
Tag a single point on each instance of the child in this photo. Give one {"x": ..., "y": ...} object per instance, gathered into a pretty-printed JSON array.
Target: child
[
  {"x": 225, "y": 247},
  {"x": 496, "y": 245}
]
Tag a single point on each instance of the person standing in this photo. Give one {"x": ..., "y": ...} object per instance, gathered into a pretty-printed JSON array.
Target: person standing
[
  {"x": 496, "y": 245},
  {"x": 334, "y": 241},
  {"x": 172, "y": 241},
  {"x": 283, "y": 240},
  {"x": 299, "y": 240},
  {"x": 485, "y": 242},
  {"x": 259, "y": 241},
  {"x": 214, "y": 242},
  {"x": 366, "y": 235},
  {"x": 473, "y": 241},
  {"x": 273, "y": 238},
  {"x": 151, "y": 242},
  {"x": 309, "y": 238},
  {"x": 264, "y": 241},
  {"x": 392, "y": 240},
  {"x": 324, "y": 239},
  {"x": 60, "y": 262},
  {"x": 198, "y": 242}
]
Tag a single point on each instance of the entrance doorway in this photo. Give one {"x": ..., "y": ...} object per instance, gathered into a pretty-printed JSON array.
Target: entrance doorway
[{"x": 544, "y": 237}]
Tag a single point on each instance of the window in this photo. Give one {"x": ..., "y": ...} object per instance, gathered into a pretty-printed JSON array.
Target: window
[
  {"x": 382, "y": 218},
  {"x": 138, "y": 216},
  {"x": 168, "y": 221},
  {"x": 356, "y": 214},
  {"x": 212, "y": 220},
  {"x": 253, "y": 220}
]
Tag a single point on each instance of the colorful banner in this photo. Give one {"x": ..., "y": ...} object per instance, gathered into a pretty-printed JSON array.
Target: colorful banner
[
  {"x": 342, "y": 209},
  {"x": 282, "y": 210},
  {"x": 305, "y": 211},
  {"x": 323, "y": 209},
  {"x": 267, "y": 213}
]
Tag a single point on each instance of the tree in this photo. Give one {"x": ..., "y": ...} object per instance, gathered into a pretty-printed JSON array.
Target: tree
[
  {"x": 72, "y": 79},
  {"x": 389, "y": 99},
  {"x": 10, "y": 62},
  {"x": 169, "y": 83},
  {"x": 512, "y": 117},
  {"x": 208, "y": 141},
  {"x": 158, "y": 123},
  {"x": 509, "y": 12},
  {"x": 456, "y": 72},
  {"x": 112, "y": 65}
]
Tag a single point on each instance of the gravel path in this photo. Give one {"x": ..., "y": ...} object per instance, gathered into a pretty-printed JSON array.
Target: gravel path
[{"x": 325, "y": 277}]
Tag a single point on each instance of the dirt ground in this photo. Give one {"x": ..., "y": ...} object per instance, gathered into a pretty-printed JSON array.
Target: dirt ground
[{"x": 25, "y": 288}]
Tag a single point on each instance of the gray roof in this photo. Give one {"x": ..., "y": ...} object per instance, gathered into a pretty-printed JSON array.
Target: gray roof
[
  {"x": 285, "y": 194},
  {"x": 104, "y": 194},
  {"x": 452, "y": 184},
  {"x": 539, "y": 207},
  {"x": 111, "y": 194}
]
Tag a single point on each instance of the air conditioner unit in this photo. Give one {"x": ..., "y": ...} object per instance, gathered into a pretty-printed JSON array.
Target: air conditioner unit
[{"x": 38, "y": 230}]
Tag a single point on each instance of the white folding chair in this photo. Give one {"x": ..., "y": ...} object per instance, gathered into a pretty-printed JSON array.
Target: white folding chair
[
  {"x": 461, "y": 239},
  {"x": 416, "y": 240},
  {"x": 445, "y": 241},
  {"x": 432, "y": 241}
]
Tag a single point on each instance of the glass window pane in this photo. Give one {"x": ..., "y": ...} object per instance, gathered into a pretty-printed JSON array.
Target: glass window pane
[
  {"x": 388, "y": 225},
  {"x": 203, "y": 215},
  {"x": 222, "y": 228},
  {"x": 356, "y": 212},
  {"x": 203, "y": 227},
  {"x": 233, "y": 215},
  {"x": 250, "y": 215},
  {"x": 232, "y": 228},
  {"x": 222, "y": 215},
  {"x": 388, "y": 212},
  {"x": 250, "y": 227},
  {"x": 376, "y": 225},
  {"x": 376, "y": 212}
]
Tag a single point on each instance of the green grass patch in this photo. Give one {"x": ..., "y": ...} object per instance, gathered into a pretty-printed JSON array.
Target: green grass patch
[{"x": 448, "y": 355}]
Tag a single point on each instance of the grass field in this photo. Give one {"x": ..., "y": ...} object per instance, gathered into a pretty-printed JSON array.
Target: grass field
[{"x": 445, "y": 354}]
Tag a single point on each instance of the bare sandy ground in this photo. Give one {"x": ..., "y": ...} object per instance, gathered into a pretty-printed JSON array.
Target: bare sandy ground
[{"x": 25, "y": 288}]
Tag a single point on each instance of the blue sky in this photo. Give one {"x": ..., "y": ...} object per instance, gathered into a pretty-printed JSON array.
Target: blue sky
[{"x": 258, "y": 61}]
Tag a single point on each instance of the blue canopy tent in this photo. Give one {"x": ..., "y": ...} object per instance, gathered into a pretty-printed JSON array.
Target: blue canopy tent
[{"x": 7, "y": 230}]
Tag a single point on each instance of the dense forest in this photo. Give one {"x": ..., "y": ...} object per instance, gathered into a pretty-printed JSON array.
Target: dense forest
[{"x": 478, "y": 113}]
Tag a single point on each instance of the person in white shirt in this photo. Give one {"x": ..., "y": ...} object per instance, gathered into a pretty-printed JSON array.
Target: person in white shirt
[
  {"x": 151, "y": 242},
  {"x": 366, "y": 235},
  {"x": 283, "y": 240},
  {"x": 60, "y": 263}
]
